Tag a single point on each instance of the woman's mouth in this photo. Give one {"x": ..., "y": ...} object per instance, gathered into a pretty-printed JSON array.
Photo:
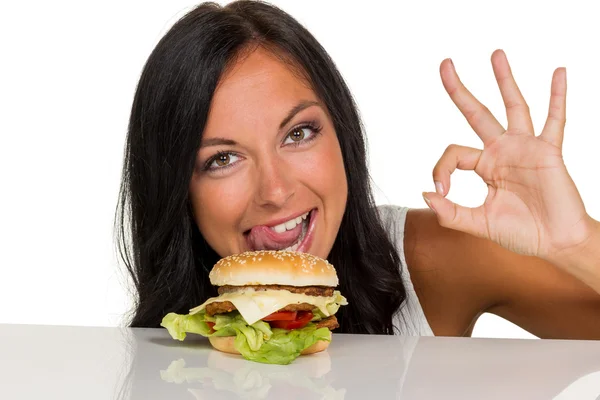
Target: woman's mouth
[
  {"x": 293, "y": 235},
  {"x": 304, "y": 226}
]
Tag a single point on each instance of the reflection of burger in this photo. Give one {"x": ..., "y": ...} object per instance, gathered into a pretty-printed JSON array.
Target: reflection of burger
[
  {"x": 272, "y": 306},
  {"x": 224, "y": 373}
]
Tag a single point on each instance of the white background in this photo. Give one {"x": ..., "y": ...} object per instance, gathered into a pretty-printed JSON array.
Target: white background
[{"x": 68, "y": 71}]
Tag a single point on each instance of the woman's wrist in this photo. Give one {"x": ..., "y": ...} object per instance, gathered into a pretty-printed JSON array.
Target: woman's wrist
[{"x": 583, "y": 260}]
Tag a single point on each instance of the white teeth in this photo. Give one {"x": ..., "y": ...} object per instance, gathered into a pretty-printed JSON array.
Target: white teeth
[
  {"x": 279, "y": 228},
  {"x": 293, "y": 248},
  {"x": 289, "y": 225}
]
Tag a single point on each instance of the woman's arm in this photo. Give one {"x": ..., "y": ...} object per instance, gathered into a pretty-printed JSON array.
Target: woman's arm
[
  {"x": 533, "y": 207},
  {"x": 459, "y": 276}
]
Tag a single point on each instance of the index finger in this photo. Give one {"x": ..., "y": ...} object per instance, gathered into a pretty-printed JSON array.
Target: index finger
[{"x": 478, "y": 116}]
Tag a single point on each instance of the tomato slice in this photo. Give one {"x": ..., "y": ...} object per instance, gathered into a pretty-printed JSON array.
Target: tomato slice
[
  {"x": 210, "y": 325},
  {"x": 301, "y": 320},
  {"x": 281, "y": 316}
]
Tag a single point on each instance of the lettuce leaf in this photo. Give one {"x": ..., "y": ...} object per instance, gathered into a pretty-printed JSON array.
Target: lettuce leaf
[
  {"x": 284, "y": 346},
  {"x": 332, "y": 308},
  {"x": 256, "y": 342},
  {"x": 178, "y": 325}
]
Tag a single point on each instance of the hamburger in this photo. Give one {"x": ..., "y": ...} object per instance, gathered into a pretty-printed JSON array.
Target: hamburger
[{"x": 272, "y": 307}]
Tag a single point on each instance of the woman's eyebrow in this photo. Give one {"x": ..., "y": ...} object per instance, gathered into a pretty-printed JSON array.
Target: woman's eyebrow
[
  {"x": 295, "y": 110},
  {"x": 301, "y": 106},
  {"x": 217, "y": 142}
]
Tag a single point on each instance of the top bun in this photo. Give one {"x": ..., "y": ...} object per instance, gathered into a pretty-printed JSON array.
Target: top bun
[{"x": 270, "y": 267}]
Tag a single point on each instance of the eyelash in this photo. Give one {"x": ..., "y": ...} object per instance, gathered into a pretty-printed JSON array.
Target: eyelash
[{"x": 312, "y": 125}]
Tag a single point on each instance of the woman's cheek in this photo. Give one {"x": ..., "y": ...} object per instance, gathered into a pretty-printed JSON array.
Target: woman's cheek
[
  {"x": 222, "y": 201},
  {"x": 325, "y": 165}
]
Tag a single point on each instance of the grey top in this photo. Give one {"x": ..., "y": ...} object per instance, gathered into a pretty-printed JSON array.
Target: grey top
[{"x": 410, "y": 319}]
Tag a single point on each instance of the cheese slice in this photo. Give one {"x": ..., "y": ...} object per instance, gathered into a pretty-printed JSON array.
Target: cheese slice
[{"x": 254, "y": 305}]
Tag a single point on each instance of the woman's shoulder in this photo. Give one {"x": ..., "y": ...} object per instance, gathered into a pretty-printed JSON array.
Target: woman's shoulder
[
  {"x": 426, "y": 243},
  {"x": 440, "y": 262},
  {"x": 405, "y": 224},
  {"x": 442, "y": 265}
]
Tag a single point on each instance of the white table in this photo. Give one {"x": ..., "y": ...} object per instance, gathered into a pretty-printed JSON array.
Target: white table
[{"x": 58, "y": 362}]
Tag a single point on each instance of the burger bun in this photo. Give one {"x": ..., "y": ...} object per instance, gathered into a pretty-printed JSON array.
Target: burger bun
[
  {"x": 270, "y": 267},
  {"x": 225, "y": 344}
]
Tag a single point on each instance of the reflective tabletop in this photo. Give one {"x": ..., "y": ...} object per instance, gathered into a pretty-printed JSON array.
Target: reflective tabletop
[{"x": 61, "y": 362}]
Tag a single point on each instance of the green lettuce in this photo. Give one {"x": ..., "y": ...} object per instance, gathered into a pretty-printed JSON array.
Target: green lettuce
[
  {"x": 332, "y": 308},
  {"x": 284, "y": 346},
  {"x": 256, "y": 342},
  {"x": 178, "y": 325}
]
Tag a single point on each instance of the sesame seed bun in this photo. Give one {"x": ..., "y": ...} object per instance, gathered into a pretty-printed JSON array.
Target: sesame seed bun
[
  {"x": 226, "y": 345},
  {"x": 270, "y": 267}
]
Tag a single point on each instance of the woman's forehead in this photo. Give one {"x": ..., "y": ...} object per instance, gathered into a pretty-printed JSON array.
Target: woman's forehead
[{"x": 257, "y": 91}]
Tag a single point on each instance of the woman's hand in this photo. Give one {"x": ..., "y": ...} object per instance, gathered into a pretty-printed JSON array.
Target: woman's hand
[{"x": 533, "y": 206}]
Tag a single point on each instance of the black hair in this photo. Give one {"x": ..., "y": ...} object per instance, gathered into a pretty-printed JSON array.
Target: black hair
[{"x": 164, "y": 252}]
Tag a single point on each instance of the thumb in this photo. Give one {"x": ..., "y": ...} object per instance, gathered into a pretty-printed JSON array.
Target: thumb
[{"x": 453, "y": 216}]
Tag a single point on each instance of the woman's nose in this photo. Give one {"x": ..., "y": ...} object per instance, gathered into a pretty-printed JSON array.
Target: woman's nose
[{"x": 275, "y": 183}]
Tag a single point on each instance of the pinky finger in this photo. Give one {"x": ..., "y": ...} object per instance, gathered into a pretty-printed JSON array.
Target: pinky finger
[{"x": 555, "y": 123}]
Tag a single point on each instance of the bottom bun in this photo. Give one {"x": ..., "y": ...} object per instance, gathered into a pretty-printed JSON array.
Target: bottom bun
[{"x": 226, "y": 345}]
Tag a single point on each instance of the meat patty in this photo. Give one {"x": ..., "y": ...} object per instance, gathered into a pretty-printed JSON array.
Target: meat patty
[
  {"x": 226, "y": 306},
  {"x": 223, "y": 307},
  {"x": 307, "y": 290},
  {"x": 330, "y": 323}
]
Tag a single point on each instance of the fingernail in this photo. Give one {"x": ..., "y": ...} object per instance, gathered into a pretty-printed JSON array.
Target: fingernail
[
  {"x": 428, "y": 202},
  {"x": 439, "y": 188},
  {"x": 451, "y": 62}
]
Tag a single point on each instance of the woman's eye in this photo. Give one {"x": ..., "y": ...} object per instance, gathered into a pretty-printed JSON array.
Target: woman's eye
[
  {"x": 222, "y": 160},
  {"x": 298, "y": 135}
]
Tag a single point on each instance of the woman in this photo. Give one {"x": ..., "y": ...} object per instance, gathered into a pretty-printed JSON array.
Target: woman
[{"x": 244, "y": 136}]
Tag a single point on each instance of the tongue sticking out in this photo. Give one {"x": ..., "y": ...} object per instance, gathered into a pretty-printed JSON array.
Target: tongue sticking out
[{"x": 264, "y": 238}]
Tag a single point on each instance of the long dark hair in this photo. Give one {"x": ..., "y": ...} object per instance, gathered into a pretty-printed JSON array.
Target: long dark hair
[{"x": 165, "y": 254}]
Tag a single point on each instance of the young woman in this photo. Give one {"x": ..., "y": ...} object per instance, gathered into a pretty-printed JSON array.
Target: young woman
[{"x": 244, "y": 136}]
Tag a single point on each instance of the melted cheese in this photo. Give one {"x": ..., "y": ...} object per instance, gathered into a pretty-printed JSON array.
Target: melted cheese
[{"x": 254, "y": 305}]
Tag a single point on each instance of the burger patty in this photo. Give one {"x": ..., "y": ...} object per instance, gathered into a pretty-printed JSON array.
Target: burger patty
[
  {"x": 307, "y": 290},
  {"x": 330, "y": 323},
  {"x": 223, "y": 307},
  {"x": 226, "y": 306}
]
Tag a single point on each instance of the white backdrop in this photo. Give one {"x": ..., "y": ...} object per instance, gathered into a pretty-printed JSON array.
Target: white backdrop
[{"x": 68, "y": 74}]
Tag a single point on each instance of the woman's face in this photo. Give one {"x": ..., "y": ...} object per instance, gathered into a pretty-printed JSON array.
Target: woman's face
[{"x": 269, "y": 173}]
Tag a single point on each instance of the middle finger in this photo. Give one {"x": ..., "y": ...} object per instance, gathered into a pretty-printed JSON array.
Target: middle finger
[{"x": 517, "y": 110}]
